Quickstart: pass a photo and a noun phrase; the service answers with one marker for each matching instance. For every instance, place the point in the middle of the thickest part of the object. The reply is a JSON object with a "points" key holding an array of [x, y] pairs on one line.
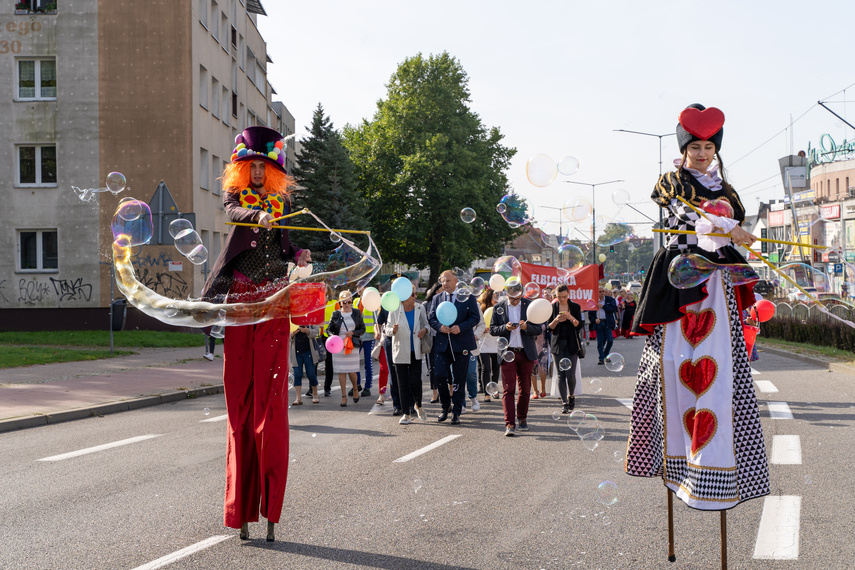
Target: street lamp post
{"points": [[560, 228], [593, 211], [661, 220]]}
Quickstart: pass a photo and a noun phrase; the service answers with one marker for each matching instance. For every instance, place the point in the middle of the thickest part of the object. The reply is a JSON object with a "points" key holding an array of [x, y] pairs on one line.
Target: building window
{"points": [[215, 97], [204, 169], [203, 12], [234, 37], [234, 105], [224, 31], [203, 86], [215, 27], [218, 172], [36, 79], [37, 165], [837, 186], [38, 250], [242, 52], [226, 104]]}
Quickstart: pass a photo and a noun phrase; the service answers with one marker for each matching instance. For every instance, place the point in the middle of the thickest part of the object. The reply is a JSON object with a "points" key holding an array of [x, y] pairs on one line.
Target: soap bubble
{"points": [[718, 207], [565, 364], [477, 285], [568, 166], [576, 418], [116, 182], [591, 441], [513, 287], [508, 356], [588, 425], [199, 255], [507, 266], [207, 411], [131, 209], [596, 385], [690, 270], [607, 493], [540, 170], [179, 225], [614, 234], [217, 331], [618, 455], [572, 255], [577, 209], [186, 241], [620, 197], [531, 290], [417, 485], [463, 292], [502, 343], [499, 311], [615, 362], [514, 209], [467, 215], [492, 389], [335, 238], [556, 415]]}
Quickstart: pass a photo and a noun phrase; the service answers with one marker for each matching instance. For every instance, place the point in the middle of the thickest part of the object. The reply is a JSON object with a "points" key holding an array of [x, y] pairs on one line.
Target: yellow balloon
{"points": [[488, 316]]}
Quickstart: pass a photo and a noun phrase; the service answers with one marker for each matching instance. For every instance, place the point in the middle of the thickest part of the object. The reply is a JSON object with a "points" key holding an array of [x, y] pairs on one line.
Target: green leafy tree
{"points": [[423, 158], [327, 184]]}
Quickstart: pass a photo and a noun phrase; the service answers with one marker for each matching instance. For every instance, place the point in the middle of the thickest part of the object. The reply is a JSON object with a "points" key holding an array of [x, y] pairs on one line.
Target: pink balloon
{"points": [[334, 344]]}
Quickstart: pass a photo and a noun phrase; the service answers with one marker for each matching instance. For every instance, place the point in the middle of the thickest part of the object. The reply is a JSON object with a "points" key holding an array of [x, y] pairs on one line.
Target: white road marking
{"points": [[626, 402], [754, 372], [179, 554], [88, 450], [779, 411], [215, 419], [786, 450], [425, 449], [765, 386], [778, 535]]}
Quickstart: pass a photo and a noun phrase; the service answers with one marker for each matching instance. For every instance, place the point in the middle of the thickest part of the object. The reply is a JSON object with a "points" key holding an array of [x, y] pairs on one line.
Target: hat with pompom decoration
{"points": [[262, 143]]}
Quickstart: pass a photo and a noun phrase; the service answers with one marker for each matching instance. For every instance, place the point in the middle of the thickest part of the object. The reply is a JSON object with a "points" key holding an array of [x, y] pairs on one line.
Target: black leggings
{"points": [[489, 369], [410, 383], [566, 378]]}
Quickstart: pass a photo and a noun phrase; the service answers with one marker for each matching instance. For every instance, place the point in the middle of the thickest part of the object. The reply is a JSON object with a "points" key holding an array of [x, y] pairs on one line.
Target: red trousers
{"points": [[517, 370], [384, 371], [255, 376]]}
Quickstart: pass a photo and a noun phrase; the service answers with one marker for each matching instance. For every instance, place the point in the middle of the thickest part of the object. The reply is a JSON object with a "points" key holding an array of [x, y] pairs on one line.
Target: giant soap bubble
{"points": [[568, 166], [690, 270], [348, 267], [513, 210], [614, 233], [507, 266], [571, 255], [577, 209]]}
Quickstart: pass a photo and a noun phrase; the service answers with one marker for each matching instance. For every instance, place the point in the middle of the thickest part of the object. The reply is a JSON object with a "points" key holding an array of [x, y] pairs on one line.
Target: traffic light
{"points": [[611, 249]]}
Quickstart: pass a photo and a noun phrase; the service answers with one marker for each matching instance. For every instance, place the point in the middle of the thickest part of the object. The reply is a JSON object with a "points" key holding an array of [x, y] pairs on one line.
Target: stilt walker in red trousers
{"points": [[256, 366]]}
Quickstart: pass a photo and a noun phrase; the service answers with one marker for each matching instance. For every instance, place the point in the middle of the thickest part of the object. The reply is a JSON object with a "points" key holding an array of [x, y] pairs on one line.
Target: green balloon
{"points": [[390, 301]]}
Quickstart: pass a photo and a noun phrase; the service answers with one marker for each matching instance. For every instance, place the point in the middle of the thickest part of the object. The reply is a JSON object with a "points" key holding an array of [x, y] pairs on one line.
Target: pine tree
{"points": [[327, 186]]}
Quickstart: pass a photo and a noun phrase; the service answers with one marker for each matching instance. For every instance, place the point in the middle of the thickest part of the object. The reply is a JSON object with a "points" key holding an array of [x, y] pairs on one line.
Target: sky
{"points": [[559, 77]]}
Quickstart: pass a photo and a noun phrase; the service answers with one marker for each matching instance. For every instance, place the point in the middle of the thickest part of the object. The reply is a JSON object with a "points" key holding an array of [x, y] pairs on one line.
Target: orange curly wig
{"points": [[236, 178]]}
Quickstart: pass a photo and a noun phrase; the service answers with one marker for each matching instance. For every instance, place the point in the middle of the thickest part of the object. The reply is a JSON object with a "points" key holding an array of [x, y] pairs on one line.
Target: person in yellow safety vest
{"points": [[367, 347], [331, 307]]}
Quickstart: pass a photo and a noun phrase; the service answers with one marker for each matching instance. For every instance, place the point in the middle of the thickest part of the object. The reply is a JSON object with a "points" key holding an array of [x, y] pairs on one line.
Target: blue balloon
{"points": [[446, 313], [403, 288]]}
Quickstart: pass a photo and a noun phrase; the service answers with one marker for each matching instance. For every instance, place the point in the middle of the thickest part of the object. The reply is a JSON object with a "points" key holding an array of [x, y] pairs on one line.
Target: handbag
{"points": [[427, 343], [375, 352], [320, 349], [582, 345]]}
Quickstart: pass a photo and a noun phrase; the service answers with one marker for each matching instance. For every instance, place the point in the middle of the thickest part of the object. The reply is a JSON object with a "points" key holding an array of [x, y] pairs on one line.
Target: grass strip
{"points": [[826, 353], [12, 356], [125, 339]]}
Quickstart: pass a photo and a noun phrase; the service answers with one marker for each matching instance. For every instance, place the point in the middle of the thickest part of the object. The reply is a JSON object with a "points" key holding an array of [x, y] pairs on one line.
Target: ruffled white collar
{"points": [[710, 179]]}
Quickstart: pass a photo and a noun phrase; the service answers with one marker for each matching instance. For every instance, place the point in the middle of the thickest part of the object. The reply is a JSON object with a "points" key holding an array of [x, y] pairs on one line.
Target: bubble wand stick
{"points": [[768, 240]]}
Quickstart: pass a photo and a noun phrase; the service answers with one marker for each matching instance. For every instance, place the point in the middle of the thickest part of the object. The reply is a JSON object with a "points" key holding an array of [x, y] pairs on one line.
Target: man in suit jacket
{"points": [[509, 321], [604, 321], [453, 346]]}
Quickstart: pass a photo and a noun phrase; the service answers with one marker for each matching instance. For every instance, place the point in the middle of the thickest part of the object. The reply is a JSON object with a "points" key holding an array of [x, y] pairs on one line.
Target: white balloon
{"points": [[539, 311], [497, 282], [371, 299]]}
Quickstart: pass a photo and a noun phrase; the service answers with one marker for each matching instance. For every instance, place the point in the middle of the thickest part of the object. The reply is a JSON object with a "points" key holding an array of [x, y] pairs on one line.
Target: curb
{"points": [[833, 366], [108, 408]]}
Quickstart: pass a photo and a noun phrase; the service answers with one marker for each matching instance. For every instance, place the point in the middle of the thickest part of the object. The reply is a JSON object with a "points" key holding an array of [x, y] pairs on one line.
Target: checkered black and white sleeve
{"points": [[681, 217]]}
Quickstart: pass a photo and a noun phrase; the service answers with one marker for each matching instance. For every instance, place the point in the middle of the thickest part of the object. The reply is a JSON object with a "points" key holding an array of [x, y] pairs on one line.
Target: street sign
{"points": [[838, 268]]}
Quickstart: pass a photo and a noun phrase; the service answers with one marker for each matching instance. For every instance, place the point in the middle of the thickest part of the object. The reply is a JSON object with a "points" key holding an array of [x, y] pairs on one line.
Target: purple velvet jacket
{"points": [[240, 239]]}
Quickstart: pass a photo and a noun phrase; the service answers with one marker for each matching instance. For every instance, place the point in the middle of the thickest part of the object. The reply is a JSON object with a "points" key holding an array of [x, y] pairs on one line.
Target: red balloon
{"points": [[763, 310]]}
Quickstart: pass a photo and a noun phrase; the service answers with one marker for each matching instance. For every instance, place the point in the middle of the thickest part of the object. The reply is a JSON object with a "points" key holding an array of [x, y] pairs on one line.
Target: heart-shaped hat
{"points": [[697, 123], [260, 143]]}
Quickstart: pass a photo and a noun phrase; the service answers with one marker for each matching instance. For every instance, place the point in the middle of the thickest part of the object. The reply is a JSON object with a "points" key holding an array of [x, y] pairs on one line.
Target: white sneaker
{"points": [[421, 413], [463, 410], [475, 405], [405, 419], [208, 356]]}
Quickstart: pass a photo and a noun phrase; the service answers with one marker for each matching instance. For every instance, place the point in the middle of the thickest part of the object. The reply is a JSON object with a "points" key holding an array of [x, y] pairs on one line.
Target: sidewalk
{"points": [[49, 393]]}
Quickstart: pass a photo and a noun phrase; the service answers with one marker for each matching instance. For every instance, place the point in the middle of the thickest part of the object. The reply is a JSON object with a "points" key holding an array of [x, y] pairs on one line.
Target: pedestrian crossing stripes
{"points": [[103, 447]]}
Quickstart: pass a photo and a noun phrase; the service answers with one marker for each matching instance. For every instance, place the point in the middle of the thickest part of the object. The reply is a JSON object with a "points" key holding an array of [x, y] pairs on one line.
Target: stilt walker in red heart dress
{"points": [[695, 421], [256, 365]]}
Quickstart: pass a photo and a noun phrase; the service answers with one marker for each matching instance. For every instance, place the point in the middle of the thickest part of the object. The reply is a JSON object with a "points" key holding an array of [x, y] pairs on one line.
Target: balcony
{"points": [[35, 7]]}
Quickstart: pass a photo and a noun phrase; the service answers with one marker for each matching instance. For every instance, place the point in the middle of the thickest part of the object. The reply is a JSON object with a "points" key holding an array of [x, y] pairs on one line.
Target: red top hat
{"points": [[260, 143]]}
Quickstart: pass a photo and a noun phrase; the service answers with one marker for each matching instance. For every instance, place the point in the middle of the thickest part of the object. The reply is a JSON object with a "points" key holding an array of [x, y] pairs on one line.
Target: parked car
{"points": [[764, 287], [634, 287], [796, 296], [615, 284]]}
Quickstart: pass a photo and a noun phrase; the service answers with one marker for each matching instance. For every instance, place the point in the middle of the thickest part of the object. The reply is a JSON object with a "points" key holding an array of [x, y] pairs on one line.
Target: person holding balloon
{"points": [[345, 337], [407, 326], [489, 343], [566, 324], [454, 320], [695, 420]]}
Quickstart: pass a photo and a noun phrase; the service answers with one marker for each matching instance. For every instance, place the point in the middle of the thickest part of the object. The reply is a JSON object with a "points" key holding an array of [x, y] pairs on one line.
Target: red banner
{"points": [[582, 283]]}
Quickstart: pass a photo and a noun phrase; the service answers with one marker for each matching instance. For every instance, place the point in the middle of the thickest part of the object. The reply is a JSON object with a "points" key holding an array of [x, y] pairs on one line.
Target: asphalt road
{"points": [[479, 500]]}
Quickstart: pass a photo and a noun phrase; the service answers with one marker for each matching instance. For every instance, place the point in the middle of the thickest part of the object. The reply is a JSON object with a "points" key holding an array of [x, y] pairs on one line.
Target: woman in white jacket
{"points": [[407, 325]]}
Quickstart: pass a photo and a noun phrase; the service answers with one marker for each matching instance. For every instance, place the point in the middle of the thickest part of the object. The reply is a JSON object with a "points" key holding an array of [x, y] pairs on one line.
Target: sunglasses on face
{"points": [[347, 302]]}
